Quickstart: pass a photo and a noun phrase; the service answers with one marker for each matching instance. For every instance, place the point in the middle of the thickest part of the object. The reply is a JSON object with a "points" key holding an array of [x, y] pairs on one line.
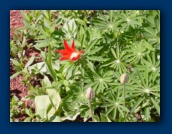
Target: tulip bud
{"points": [[89, 93], [124, 78]]}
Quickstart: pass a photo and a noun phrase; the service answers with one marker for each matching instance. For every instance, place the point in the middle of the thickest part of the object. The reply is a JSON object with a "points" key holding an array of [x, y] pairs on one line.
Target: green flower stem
{"points": [[91, 111], [124, 93]]}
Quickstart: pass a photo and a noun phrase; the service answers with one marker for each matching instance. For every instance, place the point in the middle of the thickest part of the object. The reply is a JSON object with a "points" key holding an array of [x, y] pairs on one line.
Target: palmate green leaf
{"points": [[76, 71], [94, 33], [121, 112], [109, 21], [112, 110], [155, 94], [106, 104], [70, 106], [114, 113], [150, 20], [100, 24], [141, 78], [129, 20], [104, 118], [135, 52], [100, 88], [117, 62], [113, 105], [107, 63], [153, 66], [147, 113], [135, 106], [99, 80], [114, 54], [97, 58], [111, 15], [147, 85], [69, 71], [157, 23], [96, 118], [91, 66], [82, 40], [148, 46], [124, 108], [96, 49], [150, 30], [155, 105], [91, 44]]}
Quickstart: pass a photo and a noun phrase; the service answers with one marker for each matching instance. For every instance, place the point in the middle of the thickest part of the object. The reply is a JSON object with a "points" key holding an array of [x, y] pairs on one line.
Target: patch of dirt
{"points": [[17, 88], [37, 81], [15, 21], [29, 52], [21, 117]]}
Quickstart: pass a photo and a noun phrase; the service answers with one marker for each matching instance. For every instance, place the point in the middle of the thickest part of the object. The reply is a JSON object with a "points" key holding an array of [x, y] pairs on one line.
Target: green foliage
{"points": [[114, 42], [18, 108]]}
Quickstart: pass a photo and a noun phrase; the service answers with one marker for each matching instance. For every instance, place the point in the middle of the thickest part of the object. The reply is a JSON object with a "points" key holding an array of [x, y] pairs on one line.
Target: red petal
{"points": [[64, 58], [63, 52], [68, 49], [73, 46]]}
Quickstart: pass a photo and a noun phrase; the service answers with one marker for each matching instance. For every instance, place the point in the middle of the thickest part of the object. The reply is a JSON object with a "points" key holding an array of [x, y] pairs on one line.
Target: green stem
{"points": [[124, 93], [91, 111]]}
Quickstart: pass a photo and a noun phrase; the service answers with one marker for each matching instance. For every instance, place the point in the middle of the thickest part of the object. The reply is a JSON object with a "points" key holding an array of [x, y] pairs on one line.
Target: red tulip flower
{"points": [[70, 53]]}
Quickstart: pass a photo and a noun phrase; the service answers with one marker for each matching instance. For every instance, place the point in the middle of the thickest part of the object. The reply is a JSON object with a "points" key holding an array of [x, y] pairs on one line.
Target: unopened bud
{"points": [[89, 93], [158, 57], [124, 78]]}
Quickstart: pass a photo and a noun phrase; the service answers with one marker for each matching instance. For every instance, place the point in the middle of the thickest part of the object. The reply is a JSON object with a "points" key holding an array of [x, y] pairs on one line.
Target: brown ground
{"points": [[15, 21]]}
